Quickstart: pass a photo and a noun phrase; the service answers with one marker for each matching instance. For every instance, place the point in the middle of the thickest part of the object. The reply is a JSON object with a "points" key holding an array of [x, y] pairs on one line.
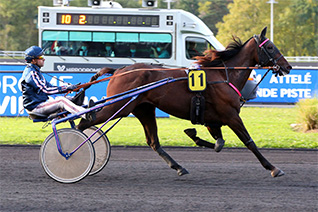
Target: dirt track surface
{"points": [[137, 179]]}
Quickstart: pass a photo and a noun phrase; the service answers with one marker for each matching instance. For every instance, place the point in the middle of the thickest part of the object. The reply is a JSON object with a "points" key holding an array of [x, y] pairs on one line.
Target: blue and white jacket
{"points": [[35, 89]]}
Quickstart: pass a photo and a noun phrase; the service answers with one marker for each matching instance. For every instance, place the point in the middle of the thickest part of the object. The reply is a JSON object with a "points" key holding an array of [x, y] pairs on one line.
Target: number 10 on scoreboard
{"points": [[197, 80]]}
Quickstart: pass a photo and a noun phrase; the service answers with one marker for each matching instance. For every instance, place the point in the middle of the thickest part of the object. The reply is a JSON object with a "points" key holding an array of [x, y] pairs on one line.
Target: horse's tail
{"points": [[101, 72]]}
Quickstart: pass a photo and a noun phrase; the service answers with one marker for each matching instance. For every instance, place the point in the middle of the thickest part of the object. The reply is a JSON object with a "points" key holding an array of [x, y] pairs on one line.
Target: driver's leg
{"points": [[53, 105]]}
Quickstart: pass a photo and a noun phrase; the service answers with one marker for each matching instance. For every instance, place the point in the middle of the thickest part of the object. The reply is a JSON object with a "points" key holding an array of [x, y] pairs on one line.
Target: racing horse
{"points": [[222, 102]]}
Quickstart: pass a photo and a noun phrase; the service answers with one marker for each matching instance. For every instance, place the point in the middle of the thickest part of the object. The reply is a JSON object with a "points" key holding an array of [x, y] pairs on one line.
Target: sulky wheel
{"points": [[77, 166], [102, 149]]}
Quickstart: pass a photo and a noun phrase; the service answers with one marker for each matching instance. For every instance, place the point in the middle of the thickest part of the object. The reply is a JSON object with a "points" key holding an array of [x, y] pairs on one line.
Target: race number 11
{"points": [[197, 80]]}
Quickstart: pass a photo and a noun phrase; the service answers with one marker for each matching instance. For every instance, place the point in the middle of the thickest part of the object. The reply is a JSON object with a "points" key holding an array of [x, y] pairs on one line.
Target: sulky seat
{"points": [[34, 115]]}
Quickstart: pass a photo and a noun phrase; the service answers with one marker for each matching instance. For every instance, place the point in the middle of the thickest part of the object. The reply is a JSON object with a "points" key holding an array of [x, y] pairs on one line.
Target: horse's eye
{"points": [[270, 49]]}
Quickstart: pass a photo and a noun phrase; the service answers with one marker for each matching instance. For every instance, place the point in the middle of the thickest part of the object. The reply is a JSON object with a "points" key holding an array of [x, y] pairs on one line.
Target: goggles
{"points": [[40, 57]]}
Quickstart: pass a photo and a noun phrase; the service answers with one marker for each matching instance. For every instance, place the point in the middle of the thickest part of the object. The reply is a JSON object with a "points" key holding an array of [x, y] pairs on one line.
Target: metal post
{"points": [[272, 2], [169, 3]]}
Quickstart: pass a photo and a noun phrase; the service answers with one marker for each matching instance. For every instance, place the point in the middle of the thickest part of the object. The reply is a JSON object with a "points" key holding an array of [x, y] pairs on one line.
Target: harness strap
{"points": [[237, 91], [263, 43], [228, 81]]}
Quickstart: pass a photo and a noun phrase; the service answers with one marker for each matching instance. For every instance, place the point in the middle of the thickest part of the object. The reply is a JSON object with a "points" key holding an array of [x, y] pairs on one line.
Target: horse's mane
{"points": [[216, 58]]}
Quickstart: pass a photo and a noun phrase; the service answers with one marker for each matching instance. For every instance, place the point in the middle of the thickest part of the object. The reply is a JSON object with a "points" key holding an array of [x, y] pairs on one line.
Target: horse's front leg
{"points": [[239, 129], [172, 163], [216, 133], [146, 115]]}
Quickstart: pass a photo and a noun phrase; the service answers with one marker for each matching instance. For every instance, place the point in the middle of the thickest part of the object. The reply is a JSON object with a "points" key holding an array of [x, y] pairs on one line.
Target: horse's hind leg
{"points": [[146, 115], [216, 133], [239, 129]]}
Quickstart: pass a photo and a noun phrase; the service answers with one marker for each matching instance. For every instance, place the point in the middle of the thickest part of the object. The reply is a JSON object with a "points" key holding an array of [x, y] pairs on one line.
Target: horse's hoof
{"points": [[277, 172], [219, 145], [182, 171]]}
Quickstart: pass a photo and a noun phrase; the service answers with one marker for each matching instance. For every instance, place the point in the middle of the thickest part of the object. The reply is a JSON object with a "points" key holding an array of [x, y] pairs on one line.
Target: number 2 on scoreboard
{"points": [[82, 19]]}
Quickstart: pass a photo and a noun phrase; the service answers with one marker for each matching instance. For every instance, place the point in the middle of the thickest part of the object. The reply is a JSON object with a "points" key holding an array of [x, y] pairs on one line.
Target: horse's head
{"points": [[268, 54]]}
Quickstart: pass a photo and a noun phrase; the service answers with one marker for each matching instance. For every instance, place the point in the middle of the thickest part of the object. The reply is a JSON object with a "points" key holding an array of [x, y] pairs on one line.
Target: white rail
{"points": [[302, 59], [11, 53]]}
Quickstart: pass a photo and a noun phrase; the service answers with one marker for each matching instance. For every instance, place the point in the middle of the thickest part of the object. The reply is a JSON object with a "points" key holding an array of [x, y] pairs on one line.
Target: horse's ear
{"points": [[263, 33]]}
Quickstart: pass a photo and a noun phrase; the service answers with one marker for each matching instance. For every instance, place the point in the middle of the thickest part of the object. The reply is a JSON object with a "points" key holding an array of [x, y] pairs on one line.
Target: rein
{"points": [[108, 78], [182, 69], [164, 69]]}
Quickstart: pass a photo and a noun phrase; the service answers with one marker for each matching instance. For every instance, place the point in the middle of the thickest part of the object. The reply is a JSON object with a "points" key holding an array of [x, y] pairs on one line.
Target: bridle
{"points": [[265, 56]]}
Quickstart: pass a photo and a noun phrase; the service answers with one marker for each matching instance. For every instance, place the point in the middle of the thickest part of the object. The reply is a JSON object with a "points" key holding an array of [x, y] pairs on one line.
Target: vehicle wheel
{"points": [[77, 166], [102, 149]]}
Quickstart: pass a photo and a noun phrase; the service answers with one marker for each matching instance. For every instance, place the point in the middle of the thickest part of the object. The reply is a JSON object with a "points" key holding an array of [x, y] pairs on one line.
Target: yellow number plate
{"points": [[197, 80]]}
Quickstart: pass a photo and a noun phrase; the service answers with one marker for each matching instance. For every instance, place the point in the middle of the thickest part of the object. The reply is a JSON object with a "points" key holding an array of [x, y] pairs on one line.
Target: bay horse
{"points": [[222, 102]]}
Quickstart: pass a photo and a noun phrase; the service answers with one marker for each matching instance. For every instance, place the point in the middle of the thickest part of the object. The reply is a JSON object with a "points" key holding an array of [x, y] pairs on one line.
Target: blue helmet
{"points": [[32, 53]]}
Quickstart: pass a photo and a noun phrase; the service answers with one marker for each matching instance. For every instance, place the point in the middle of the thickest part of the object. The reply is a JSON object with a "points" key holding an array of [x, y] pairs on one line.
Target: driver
{"points": [[36, 90]]}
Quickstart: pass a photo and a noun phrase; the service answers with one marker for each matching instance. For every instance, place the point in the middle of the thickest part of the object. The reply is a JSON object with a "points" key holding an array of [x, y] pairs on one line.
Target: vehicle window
{"points": [[155, 37], [103, 37], [107, 44], [53, 35], [196, 47], [80, 36]]}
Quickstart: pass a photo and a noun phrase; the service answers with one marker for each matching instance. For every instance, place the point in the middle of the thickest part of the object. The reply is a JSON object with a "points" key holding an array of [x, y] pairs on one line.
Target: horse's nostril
{"points": [[288, 69]]}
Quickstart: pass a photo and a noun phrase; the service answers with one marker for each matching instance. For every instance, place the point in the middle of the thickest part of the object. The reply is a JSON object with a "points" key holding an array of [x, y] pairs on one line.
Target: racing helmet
{"points": [[32, 53]]}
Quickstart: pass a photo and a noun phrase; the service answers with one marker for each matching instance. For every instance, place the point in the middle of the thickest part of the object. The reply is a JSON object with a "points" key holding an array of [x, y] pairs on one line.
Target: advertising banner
{"points": [[11, 103], [299, 84]]}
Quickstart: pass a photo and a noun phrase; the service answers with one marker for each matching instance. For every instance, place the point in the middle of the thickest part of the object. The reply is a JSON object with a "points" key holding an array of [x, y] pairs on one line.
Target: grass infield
{"points": [[269, 128]]}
